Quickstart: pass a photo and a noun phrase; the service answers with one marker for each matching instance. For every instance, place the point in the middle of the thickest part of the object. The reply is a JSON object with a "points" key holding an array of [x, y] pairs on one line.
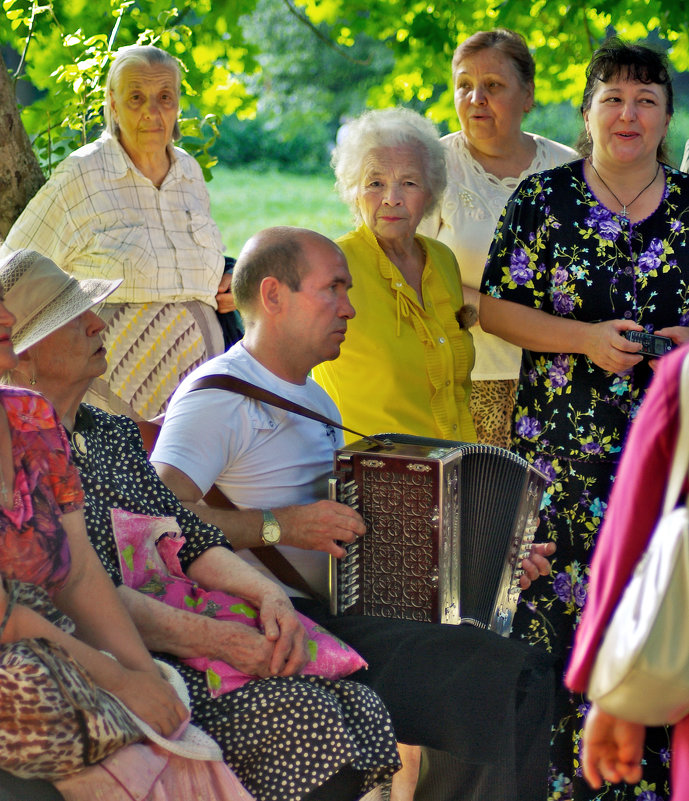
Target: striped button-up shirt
{"points": [[99, 216]]}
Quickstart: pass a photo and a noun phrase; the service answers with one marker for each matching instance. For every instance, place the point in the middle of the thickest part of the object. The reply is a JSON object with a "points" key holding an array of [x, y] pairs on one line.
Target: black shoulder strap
{"points": [[233, 384]]}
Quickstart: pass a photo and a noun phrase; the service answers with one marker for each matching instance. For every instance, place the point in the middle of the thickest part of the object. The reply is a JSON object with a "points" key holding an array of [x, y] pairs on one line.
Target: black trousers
{"points": [[15, 789], [480, 705]]}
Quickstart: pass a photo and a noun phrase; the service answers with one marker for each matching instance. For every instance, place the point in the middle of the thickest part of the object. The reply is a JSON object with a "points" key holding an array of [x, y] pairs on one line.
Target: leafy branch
{"points": [[325, 39]]}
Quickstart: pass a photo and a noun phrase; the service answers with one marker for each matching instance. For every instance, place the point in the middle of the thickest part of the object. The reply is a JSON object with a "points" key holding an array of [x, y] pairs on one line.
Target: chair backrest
{"points": [[149, 430]]}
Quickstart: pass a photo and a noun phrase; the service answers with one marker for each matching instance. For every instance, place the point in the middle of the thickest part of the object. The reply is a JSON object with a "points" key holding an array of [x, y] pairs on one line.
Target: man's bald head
{"points": [[278, 252]]}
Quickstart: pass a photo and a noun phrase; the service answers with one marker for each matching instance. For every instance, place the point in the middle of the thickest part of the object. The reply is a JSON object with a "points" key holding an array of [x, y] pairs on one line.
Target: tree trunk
{"points": [[20, 173]]}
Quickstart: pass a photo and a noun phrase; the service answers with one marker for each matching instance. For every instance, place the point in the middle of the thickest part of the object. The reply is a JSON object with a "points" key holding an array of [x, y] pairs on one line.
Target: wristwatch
{"points": [[270, 533]]}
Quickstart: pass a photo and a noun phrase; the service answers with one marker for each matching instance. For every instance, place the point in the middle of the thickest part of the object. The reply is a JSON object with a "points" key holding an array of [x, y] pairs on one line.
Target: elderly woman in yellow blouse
{"points": [[404, 366]]}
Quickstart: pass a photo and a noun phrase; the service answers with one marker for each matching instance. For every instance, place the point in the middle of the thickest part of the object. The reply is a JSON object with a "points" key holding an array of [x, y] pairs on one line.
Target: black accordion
{"points": [[448, 524]]}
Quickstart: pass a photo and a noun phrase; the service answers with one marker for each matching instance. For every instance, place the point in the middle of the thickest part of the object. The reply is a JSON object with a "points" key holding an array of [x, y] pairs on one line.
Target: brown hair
{"points": [[509, 43], [616, 58]]}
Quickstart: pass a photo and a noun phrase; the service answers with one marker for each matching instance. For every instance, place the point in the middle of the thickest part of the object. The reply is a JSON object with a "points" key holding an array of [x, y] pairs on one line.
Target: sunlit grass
{"points": [[244, 201]]}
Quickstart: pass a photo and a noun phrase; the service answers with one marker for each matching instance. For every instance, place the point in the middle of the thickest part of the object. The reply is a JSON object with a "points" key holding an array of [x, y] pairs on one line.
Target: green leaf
{"points": [[244, 609], [213, 679], [254, 61], [312, 647], [128, 556]]}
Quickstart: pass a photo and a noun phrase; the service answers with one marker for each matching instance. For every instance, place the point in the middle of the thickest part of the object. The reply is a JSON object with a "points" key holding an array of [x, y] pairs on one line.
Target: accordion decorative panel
{"points": [[447, 527]]}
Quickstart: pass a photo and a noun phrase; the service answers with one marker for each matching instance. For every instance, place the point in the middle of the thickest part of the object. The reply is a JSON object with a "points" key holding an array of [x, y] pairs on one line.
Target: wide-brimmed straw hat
{"points": [[43, 297]]}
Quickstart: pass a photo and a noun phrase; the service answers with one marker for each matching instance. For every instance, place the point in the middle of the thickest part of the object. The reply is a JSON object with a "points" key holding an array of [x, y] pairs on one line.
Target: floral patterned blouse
{"points": [[33, 544], [558, 249]]}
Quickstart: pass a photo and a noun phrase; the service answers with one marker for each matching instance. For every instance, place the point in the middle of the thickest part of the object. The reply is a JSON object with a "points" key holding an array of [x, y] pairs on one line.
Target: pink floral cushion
{"points": [[148, 547]]}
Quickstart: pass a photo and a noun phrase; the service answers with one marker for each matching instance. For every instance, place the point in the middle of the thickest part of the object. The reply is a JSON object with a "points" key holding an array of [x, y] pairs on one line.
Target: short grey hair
{"points": [[390, 127], [138, 55]]}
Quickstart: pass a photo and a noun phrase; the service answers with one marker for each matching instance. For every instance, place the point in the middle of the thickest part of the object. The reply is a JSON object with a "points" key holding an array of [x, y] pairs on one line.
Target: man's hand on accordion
{"points": [[320, 526], [537, 563]]}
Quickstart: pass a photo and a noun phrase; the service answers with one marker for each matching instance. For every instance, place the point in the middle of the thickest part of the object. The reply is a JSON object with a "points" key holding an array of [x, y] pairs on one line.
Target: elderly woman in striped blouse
{"points": [[132, 206]]}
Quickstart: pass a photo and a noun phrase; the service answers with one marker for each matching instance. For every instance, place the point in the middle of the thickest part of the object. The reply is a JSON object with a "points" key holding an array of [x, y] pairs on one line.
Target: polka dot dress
{"points": [[283, 737], [286, 736]]}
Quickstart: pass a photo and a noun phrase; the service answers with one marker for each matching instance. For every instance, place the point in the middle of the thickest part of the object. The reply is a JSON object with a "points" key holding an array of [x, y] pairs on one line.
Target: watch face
{"points": [[271, 533]]}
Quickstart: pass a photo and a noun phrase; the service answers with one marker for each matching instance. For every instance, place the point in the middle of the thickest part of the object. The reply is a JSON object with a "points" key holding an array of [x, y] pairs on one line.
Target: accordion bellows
{"points": [[448, 525]]}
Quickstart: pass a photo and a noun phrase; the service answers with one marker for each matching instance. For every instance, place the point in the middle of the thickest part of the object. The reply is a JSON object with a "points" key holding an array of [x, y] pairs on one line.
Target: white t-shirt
{"points": [[465, 221], [258, 455]]}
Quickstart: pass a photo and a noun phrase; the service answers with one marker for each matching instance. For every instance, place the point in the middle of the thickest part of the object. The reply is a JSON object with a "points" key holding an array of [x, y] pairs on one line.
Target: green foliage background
{"points": [[277, 78]]}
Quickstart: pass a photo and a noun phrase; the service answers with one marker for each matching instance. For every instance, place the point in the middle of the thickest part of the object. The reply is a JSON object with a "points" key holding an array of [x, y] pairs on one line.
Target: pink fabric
{"points": [[147, 773], [33, 544], [633, 511], [148, 548]]}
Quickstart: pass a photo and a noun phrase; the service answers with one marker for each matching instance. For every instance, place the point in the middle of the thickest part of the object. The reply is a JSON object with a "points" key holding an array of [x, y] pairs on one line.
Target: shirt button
{"points": [[627, 315], [628, 270], [454, 427], [447, 383], [442, 340], [398, 284]]}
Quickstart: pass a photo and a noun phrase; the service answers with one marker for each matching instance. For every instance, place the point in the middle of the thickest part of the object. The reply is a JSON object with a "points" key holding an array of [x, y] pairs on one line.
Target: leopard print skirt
{"points": [[54, 720], [491, 404]]}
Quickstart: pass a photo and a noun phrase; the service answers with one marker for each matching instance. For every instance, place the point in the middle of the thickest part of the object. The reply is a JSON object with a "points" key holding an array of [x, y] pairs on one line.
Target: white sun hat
{"points": [[43, 297]]}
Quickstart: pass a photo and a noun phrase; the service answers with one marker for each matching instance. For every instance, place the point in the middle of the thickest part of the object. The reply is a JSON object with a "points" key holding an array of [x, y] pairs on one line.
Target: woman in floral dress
{"points": [[583, 253]]}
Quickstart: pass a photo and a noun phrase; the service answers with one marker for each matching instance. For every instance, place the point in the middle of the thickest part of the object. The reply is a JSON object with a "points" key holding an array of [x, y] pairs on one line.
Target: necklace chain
{"points": [[625, 206]]}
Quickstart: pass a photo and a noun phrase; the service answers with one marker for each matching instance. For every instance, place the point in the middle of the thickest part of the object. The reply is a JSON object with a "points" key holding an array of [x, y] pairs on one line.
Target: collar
{"points": [[117, 162], [83, 423], [406, 302], [84, 419]]}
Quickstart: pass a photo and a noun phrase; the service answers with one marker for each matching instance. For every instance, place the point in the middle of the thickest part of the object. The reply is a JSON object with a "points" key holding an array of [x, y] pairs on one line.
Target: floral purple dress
{"points": [[33, 544], [558, 249]]}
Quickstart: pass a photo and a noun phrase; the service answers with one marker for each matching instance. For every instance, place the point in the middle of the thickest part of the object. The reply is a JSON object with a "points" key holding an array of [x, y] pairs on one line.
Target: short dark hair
{"points": [[637, 63], [275, 252], [509, 43]]}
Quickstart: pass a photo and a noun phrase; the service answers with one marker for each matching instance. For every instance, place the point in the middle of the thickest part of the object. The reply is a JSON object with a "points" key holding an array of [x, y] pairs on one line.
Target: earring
{"points": [[31, 378]]}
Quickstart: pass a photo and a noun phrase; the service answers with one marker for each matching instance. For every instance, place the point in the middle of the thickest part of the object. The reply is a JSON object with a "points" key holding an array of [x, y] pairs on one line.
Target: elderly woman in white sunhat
{"points": [[55, 588], [329, 755]]}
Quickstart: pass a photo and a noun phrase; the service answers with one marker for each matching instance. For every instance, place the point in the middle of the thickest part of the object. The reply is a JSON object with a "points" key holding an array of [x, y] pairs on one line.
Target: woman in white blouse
{"points": [[132, 206], [493, 77]]}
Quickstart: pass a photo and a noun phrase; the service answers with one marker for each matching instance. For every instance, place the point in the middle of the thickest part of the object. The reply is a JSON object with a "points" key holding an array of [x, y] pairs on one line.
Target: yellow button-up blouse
{"points": [[404, 367]]}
